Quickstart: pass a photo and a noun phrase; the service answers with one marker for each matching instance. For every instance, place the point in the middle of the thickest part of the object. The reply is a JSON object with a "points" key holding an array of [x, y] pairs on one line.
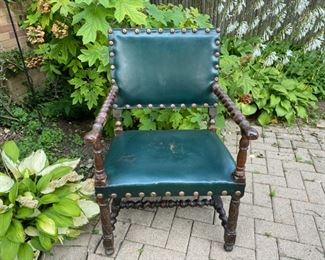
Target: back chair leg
{"points": [[218, 206], [230, 228], [105, 217]]}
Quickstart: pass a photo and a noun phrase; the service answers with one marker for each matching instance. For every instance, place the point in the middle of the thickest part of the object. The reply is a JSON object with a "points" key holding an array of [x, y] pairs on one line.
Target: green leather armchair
{"points": [[174, 68]]}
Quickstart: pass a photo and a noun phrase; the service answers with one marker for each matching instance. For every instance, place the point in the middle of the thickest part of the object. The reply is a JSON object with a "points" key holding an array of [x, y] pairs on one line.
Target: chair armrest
{"points": [[94, 134], [248, 131]]}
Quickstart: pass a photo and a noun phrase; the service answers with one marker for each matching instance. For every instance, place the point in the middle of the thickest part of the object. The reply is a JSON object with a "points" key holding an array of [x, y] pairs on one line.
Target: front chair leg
{"points": [[230, 228], [105, 217]]}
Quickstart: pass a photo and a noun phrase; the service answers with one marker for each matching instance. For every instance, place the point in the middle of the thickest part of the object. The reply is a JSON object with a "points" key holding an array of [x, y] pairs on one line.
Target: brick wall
{"points": [[7, 37]]}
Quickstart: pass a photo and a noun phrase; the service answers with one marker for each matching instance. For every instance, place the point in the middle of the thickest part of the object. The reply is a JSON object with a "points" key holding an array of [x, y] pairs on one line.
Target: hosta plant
{"points": [[40, 204]]}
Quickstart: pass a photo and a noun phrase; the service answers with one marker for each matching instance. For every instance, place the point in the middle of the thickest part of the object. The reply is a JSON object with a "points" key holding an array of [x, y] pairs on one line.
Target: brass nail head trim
{"points": [[207, 30], [110, 31], [194, 30], [112, 67], [148, 31], [128, 195], [238, 193], [124, 31], [172, 106], [168, 193], [217, 42], [113, 195], [160, 30], [195, 194], [141, 194], [111, 54], [181, 193], [127, 106], [150, 106], [139, 106], [153, 194], [183, 30], [216, 79], [193, 105], [224, 192], [206, 105], [217, 54], [172, 30], [183, 105], [113, 81], [99, 195], [218, 30], [115, 105], [111, 43], [136, 30], [161, 105], [209, 193]]}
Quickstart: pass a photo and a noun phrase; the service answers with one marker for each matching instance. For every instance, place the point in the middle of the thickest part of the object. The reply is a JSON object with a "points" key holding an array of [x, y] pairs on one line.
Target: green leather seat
{"points": [[173, 161]]}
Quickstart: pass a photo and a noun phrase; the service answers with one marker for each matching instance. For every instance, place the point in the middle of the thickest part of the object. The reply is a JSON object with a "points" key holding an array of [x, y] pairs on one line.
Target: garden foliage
{"points": [[40, 204], [269, 82]]}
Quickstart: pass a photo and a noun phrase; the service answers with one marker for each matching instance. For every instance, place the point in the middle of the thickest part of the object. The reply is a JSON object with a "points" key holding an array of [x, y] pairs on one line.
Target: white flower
{"points": [[242, 29], [271, 59]]}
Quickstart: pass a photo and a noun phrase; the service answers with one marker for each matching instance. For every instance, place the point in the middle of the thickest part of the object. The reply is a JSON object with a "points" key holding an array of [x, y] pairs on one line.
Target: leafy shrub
{"points": [[262, 89], [40, 204]]}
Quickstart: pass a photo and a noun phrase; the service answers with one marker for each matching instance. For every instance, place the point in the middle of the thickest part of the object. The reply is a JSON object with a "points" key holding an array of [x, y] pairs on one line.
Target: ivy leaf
{"points": [[93, 53], [131, 9], [94, 17], [156, 13], [65, 6]]}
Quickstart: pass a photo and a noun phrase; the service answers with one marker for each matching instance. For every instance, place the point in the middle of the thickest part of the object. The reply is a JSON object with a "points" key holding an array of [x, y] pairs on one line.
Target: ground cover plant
{"points": [[40, 203]]}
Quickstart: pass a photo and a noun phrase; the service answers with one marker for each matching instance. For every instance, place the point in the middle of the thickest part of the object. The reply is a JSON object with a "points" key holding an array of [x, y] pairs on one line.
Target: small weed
{"points": [[268, 234], [95, 232], [272, 194], [299, 158], [140, 251]]}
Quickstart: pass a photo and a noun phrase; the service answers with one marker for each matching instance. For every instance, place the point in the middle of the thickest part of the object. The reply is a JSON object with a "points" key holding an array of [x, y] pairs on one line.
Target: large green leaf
{"points": [[89, 208], [248, 109], [60, 220], [46, 225], [25, 252], [131, 9], [16, 232], [280, 111], [6, 183], [156, 13], [66, 162], [13, 193], [301, 112], [43, 182], [36, 244], [94, 17], [35, 162], [67, 208], [274, 100], [5, 220], [46, 242], [24, 213], [11, 150], [264, 118], [93, 53], [8, 249], [49, 198]]}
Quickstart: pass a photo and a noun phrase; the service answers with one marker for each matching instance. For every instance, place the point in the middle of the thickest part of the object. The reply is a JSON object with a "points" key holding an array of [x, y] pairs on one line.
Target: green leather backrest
{"points": [[164, 67]]}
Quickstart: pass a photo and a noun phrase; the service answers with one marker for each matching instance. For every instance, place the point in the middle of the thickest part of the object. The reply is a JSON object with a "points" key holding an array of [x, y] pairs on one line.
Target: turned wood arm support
{"points": [[235, 114], [96, 131], [248, 133]]}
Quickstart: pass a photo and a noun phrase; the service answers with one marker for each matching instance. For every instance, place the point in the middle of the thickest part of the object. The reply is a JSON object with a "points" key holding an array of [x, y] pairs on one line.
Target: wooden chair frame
{"points": [[109, 207]]}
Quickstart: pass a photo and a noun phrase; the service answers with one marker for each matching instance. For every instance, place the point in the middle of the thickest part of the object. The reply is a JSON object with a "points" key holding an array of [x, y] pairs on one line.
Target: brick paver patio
{"points": [[282, 215]]}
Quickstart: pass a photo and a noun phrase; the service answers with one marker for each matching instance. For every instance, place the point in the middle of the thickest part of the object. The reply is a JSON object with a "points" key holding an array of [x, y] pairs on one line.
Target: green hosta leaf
{"points": [[13, 193], [36, 244], [264, 118], [301, 112], [67, 208], [44, 181], [35, 162], [280, 89], [89, 208], [72, 163], [80, 221], [46, 225], [5, 220], [94, 17], [156, 13], [16, 232], [31, 231], [6, 183], [286, 105], [280, 111], [60, 220], [25, 252], [45, 242], [290, 117], [24, 213], [27, 185], [131, 9], [49, 198], [274, 100], [8, 249], [72, 233], [248, 109], [8, 163], [65, 6], [11, 150], [93, 53], [60, 172]]}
